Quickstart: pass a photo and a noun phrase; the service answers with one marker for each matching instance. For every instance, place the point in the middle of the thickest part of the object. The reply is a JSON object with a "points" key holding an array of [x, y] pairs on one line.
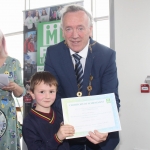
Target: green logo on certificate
{"points": [[108, 100]]}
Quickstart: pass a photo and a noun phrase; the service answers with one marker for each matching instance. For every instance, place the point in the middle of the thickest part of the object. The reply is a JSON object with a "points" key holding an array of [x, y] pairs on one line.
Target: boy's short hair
{"points": [[43, 76]]}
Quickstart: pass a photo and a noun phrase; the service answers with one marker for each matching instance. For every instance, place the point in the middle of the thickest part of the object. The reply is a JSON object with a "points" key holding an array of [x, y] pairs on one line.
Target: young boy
{"points": [[42, 129]]}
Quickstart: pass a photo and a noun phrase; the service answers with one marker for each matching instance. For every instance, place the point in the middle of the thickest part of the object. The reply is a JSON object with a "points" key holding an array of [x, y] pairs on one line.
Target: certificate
{"points": [[89, 113], [4, 81]]}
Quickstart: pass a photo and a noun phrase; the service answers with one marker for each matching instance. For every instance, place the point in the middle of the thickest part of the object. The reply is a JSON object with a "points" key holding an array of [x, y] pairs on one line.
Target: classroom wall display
{"points": [[41, 29]]}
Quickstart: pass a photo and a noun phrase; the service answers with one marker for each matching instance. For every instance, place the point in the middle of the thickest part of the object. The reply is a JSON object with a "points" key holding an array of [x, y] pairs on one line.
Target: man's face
{"points": [[76, 30]]}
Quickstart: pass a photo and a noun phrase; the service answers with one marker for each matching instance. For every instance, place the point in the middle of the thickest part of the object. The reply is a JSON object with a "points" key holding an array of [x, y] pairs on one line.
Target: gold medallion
{"points": [[89, 88], [79, 94]]}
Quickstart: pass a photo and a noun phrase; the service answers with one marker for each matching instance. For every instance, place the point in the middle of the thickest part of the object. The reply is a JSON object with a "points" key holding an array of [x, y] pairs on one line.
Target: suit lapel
{"points": [[87, 72], [88, 67]]}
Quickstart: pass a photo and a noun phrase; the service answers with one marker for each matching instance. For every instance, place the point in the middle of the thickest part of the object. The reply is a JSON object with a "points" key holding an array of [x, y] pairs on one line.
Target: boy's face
{"points": [[44, 95]]}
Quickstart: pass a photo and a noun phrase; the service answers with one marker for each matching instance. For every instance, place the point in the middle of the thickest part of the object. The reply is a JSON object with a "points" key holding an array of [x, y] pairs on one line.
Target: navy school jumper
{"points": [[39, 131]]}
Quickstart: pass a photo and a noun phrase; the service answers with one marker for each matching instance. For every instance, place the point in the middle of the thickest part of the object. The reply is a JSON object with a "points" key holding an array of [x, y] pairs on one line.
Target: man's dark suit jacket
{"points": [[100, 63]]}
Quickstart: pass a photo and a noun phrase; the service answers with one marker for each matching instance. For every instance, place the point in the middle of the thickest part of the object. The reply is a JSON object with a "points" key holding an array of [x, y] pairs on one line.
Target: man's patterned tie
{"points": [[78, 71]]}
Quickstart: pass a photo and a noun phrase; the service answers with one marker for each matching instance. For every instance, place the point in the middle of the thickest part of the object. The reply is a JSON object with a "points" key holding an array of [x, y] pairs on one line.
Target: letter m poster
{"points": [[48, 33]]}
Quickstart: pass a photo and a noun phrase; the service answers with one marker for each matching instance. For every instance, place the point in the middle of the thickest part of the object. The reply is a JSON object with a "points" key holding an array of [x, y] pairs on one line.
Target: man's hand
{"points": [[96, 137]]}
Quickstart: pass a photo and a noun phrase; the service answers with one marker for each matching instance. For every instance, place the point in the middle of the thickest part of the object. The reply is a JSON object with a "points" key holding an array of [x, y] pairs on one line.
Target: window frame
{"points": [[109, 17]]}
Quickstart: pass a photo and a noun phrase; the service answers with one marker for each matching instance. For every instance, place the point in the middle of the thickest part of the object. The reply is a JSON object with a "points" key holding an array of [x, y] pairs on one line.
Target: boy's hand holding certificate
{"points": [[89, 113]]}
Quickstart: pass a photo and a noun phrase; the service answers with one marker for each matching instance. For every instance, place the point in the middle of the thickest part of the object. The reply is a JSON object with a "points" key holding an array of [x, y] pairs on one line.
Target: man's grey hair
{"points": [[75, 8]]}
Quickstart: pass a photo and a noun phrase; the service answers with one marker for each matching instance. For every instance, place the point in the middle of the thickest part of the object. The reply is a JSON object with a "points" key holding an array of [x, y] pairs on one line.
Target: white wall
{"points": [[132, 44]]}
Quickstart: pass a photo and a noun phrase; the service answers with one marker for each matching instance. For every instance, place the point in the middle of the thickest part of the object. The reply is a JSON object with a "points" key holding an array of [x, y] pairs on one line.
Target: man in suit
{"points": [[98, 69]]}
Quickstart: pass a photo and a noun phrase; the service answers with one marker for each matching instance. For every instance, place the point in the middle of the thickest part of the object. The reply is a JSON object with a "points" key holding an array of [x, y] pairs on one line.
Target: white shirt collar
{"points": [[82, 53]]}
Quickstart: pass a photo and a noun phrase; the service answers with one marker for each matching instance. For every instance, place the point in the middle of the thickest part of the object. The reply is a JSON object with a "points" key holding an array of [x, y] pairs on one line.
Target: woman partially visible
{"points": [[36, 19], [44, 17], [9, 127]]}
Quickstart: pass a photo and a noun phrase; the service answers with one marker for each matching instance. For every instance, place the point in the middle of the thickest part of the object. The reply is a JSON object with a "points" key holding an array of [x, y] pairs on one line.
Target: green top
{"points": [[9, 135]]}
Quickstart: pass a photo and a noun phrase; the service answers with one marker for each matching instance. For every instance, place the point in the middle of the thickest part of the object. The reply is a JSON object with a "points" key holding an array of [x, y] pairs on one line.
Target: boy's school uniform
{"points": [[39, 131]]}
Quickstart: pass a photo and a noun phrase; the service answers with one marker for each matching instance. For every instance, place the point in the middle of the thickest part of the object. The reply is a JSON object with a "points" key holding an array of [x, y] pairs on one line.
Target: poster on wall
{"points": [[41, 29], [49, 33]]}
